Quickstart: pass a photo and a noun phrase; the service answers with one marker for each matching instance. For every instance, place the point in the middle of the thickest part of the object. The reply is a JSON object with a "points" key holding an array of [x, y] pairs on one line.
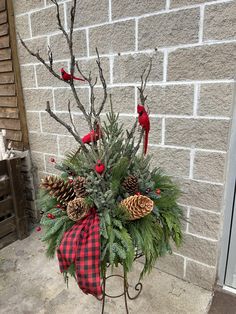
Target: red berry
{"points": [[71, 181], [52, 160], [50, 216], [138, 193], [158, 191], [58, 206], [38, 229]]}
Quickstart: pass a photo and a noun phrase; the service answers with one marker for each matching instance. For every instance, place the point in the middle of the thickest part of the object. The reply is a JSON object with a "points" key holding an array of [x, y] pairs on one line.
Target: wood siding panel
{"points": [[4, 42], [3, 29], [10, 113], [2, 5], [6, 66], [3, 17], [7, 78], [14, 135], [5, 54], [7, 90], [10, 124], [8, 101]]}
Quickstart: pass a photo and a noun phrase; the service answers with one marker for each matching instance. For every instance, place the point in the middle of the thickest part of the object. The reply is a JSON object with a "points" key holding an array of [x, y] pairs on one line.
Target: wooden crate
{"points": [[13, 220]]}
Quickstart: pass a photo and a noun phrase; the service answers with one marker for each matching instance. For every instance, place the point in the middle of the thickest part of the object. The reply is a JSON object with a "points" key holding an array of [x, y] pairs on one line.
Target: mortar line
{"points": [[195, 100], [185, 267], [35, 77], [165, 65], [136, 34], [201, 23], [167, 5], [87, 41], [192, 156], [30, 27], [163, 129], [65, 16], [110, 11]]}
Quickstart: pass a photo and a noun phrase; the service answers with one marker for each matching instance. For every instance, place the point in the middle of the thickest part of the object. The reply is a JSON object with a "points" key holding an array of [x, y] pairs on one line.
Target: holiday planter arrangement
{"points": [[108, 207]]}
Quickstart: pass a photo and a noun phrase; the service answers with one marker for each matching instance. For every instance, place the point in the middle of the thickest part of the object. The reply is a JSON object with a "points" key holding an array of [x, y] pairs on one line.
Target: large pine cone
{"points": [[62, 190], [77, 209], [130, 184], [79, 187], [138, 206]]}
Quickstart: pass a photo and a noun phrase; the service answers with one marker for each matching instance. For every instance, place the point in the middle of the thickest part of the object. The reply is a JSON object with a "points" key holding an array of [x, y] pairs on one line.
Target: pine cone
{"points": [[77, 209], [130, 184], [79, 187], [138, 206], [62, 190]]}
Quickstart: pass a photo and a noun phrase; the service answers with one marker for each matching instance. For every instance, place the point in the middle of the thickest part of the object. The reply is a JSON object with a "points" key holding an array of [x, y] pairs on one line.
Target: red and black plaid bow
{"points": [[81, 245]]}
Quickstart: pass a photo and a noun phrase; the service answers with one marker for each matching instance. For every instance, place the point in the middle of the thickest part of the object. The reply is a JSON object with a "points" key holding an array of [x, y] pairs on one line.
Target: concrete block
{"points": [[220, 21], [36, 45], [49, 125], [45, 21], [35, 99], [173, 161], [200, 275], [209, 166], [33, 121], [183, 3], [46, 143], [67, 144], [27, 76], [202, 63], [22, 26], [198, 133], [63, 95], [199, 249], [128, 68], [24, 6], [216, 100], [123, 8], [38, 161], [171, 100], [171, 264], [202, 195], [204, 223], [45, 78], [118, 37], [60, 48], [169, 29], [90, 13]]}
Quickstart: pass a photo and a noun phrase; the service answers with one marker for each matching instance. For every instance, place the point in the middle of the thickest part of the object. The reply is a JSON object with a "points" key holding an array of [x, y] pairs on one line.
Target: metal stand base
{"points": [[138, 287]]}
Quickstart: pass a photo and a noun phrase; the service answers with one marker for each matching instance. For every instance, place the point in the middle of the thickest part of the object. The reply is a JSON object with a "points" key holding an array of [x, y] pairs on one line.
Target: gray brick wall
{"points": [[193, 44]]}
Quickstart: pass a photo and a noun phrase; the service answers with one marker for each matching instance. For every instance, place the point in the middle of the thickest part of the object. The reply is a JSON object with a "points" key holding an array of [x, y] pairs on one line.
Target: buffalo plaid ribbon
{"points": [[81, 245]]}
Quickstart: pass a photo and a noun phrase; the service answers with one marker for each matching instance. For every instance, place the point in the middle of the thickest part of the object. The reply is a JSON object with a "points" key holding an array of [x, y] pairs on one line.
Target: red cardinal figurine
{"points": [[67, 77], [144, 121], [92, 136]]}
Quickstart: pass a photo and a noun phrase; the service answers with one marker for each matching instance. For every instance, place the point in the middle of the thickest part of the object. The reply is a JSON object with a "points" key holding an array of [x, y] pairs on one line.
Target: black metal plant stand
{"points": [[138, 288]]}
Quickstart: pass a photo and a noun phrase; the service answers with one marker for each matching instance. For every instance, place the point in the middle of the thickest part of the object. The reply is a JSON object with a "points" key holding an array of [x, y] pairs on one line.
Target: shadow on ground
{"points": [[32, 284]]}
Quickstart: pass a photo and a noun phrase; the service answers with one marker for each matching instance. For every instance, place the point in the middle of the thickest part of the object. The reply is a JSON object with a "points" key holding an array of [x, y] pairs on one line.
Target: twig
{"points": [[37, 55], [71, 118], [67, 126], [144, 83], [104, 85]]}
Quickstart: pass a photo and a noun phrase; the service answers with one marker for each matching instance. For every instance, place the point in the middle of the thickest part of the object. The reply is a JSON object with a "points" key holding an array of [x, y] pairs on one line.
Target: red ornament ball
{"points": [[51, 216], [99, 167], [53, 160], [58, 206], [38, 229], [158, 191]]}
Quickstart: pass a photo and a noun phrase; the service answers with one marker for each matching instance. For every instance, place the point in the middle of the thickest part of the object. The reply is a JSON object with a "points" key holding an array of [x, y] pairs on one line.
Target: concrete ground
{"points": [[32, 284]]}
